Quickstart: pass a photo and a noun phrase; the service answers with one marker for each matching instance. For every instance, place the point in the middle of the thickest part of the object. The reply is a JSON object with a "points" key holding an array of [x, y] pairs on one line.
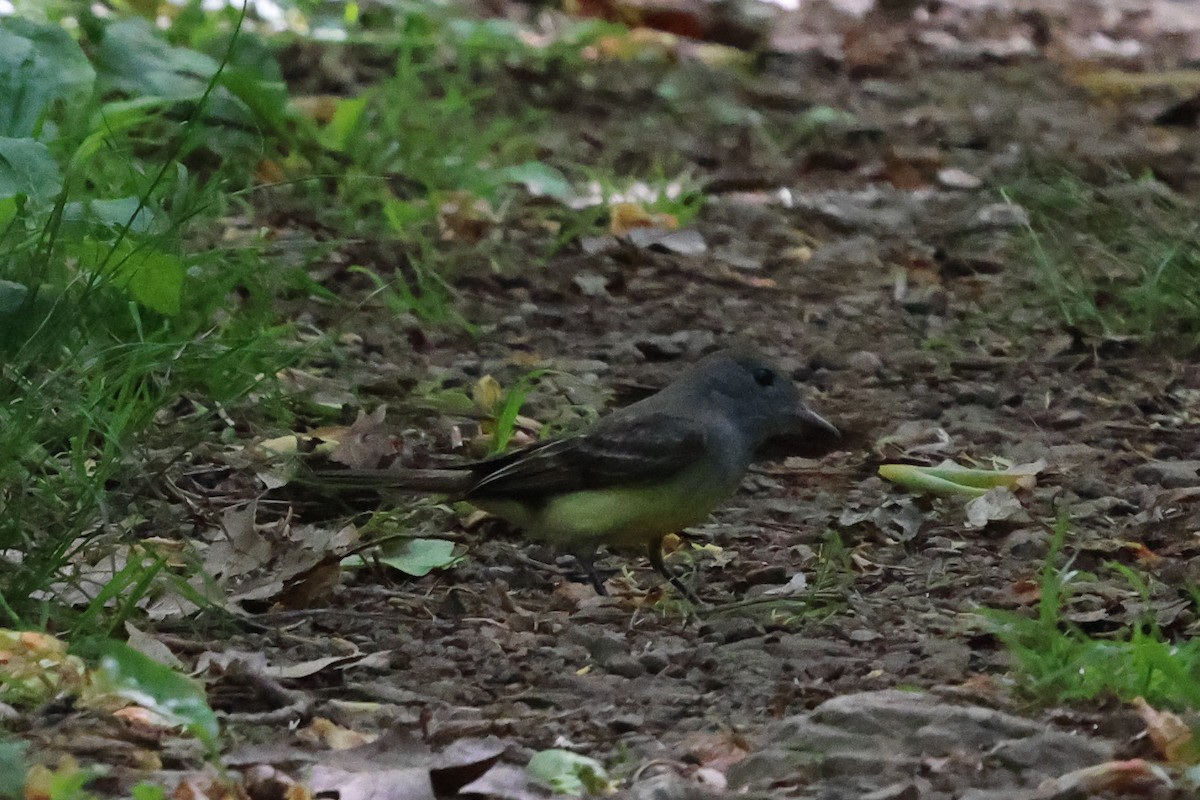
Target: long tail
{"points": [[435, 481]]}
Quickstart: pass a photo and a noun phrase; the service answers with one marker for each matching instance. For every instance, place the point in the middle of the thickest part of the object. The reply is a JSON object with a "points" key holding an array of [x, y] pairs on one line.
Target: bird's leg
{"points": [[587, 562], [654, 552], [584, 560]]}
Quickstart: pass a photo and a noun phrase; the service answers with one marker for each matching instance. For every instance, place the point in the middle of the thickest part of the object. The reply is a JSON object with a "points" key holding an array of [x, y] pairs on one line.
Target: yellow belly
{"points": [[622, 518]]}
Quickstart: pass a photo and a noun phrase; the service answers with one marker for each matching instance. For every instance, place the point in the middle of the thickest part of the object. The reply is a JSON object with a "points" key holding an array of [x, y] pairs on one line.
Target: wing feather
{"points": [[622, 452]]}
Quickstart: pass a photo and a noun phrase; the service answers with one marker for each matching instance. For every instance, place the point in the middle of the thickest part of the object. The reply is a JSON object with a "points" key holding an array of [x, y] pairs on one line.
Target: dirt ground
{"points": [[880, 264]]}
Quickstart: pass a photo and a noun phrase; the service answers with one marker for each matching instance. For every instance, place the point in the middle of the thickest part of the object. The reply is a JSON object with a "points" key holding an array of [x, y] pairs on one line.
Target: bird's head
{"points": [[758, 397]]}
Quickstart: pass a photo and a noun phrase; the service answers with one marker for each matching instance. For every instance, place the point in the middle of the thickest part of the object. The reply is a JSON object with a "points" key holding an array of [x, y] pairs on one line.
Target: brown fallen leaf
{"points": [[312, 587], [464, 217], [718, 751], [333, 736], [1111, 776], [626, 217], [1172, 737], [367, 442]]}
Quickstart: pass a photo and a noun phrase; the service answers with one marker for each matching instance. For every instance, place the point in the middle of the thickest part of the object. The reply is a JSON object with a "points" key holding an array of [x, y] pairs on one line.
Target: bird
{"points": [[647, 470]]}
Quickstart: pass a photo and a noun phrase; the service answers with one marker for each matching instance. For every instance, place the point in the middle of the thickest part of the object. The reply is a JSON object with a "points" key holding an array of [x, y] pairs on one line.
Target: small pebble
{"points": [[654, 661], [1070, 419], [865, 362], [625, 666]]}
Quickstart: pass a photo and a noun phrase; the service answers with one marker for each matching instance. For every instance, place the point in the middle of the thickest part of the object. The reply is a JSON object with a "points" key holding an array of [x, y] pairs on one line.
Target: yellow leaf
{"points": [[487, 394]]}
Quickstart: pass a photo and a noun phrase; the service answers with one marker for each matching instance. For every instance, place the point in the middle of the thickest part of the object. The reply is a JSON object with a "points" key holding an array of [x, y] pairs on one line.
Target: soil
{"points": [[880, 265]]}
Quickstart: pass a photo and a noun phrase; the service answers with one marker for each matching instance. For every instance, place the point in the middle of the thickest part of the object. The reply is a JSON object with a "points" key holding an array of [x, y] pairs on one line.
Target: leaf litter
{"points": [[904, 319]]}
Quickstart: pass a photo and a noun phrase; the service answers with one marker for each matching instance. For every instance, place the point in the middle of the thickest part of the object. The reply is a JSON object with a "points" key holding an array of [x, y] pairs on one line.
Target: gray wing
{"points": [[623, 452]]}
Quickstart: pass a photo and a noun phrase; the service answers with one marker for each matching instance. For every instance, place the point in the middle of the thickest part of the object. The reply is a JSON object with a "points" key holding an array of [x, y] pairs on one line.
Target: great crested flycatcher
{"points": [[649, 469]]}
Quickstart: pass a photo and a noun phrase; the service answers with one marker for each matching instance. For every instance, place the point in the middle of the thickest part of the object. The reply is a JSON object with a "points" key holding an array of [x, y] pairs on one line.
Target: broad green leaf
{"points": [[346, 119], [540, 180], [506, 416], [152, 277], [8, 211], [12, 769], [402, 215], [118, 212], [114, 119], [148, 791], [569, 773], [12, 297], [918, 479], [268, 101], [155, 279], [826, 115], [950, 478], [180, 700], [81, 218], [980, 478], [416, 557], [447, 401], [27, 168], [147, 8], [134, 59], [22, 312], [39, 65]]}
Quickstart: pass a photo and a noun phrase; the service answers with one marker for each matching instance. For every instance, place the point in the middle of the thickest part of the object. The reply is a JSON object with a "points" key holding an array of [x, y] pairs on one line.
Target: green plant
{"points": [[1055, 661], [1119, 259], [822, 592], [108, 313], [570, 773], [12, 768], [424, 130], [509, 407], [421, 291]]}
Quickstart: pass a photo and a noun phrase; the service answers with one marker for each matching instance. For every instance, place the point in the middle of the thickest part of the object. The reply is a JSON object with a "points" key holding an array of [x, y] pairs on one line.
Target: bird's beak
{"points": [[805, 420]]}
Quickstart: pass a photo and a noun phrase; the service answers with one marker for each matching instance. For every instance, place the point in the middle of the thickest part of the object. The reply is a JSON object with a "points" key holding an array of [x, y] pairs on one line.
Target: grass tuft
{"points": [[1119, 259], [1055, 661]]}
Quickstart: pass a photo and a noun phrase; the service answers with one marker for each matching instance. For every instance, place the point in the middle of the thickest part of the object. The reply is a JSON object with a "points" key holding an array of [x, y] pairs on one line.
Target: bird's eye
{"points": [[764, 376]]}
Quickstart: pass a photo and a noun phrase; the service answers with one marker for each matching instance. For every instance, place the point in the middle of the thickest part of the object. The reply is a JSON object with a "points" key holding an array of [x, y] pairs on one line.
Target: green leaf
{"points": [[569, 773], [132, 58], [918, 479], [152, 277], [416, 557], [155, 279], [540, 180], [116, 118], [340, 131], [114, 214], [148, 791], [27, 168], [8, 211], [404, 215], [178, 699], [22, 312], [269, 101], [39, 64], [506, 416], [979, 478], [446, 401], [12, 769], [950, 478], [12, 297]]}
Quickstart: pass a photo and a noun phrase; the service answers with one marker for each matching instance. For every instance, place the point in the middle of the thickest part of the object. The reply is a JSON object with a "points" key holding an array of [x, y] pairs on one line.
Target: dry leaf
{"points": [[1172, 737], [366, 443], [487, 394], [1111, 776], [625, 217], [333, 736], [466, 218]]}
